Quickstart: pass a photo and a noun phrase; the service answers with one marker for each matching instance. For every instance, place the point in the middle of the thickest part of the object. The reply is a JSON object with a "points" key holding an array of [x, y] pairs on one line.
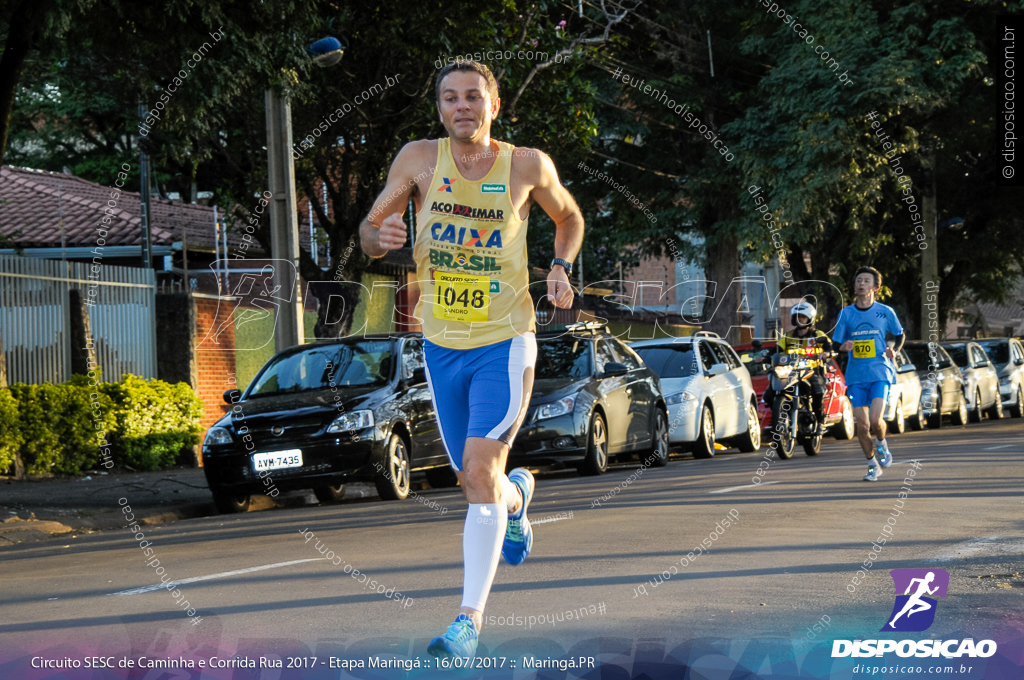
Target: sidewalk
{"points": [[35, 509]]}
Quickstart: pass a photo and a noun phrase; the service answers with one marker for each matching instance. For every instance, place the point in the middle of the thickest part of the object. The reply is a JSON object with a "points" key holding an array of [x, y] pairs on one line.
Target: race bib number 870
{"points": [[863, 349], [461, 297]]}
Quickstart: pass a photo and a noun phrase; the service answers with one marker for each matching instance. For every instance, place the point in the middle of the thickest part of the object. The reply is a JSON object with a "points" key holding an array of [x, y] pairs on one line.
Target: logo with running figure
{"points": [[914, 610]]}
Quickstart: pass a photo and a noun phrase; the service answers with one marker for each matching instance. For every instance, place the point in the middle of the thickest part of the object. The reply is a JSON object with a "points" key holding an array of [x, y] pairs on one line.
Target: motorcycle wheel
{"points": [[782, 435], [812, 445]]}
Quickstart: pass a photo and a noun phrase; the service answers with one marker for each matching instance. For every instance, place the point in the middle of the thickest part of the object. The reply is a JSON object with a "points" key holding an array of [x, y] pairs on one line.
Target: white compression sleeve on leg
{"points": [[481, 548]]}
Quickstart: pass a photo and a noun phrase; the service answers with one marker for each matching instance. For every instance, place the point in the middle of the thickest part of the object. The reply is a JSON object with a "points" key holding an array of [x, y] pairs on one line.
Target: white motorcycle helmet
{"points": [[803, 308]]}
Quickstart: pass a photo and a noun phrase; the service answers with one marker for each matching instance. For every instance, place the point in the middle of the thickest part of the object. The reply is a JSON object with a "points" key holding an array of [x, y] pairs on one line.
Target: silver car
{"points": [[1008, 356], [707, 390], [980, 379], [905, 405]]}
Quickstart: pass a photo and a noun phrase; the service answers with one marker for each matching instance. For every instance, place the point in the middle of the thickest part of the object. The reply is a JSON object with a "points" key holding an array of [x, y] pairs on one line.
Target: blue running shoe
{"points": [[883, 456], [874, 472], [518, 534], [459, 640]]}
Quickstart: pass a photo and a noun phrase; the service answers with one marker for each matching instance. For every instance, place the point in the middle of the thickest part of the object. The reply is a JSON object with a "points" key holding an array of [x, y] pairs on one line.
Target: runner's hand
{"points": [[846, 346], [559, 289], [392, 233]]}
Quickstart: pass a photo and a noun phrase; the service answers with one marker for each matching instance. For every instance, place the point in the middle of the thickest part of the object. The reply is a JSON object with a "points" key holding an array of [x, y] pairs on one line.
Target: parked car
{"points": [[317, 416], [1008, 356], [980, 379], [593, 399], [838, 409], [904, 404], [708, 391], [942, 384]]}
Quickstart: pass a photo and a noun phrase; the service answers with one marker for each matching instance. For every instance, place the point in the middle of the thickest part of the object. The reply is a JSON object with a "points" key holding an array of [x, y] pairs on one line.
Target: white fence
{"points": [[35, 318]]}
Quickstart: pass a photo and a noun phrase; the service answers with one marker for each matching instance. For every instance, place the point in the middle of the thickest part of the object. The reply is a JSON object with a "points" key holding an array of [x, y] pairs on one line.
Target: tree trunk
{"points": [[721, 308], [25, 23]]}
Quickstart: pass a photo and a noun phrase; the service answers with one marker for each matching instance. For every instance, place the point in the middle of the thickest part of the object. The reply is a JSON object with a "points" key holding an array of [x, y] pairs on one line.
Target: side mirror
{"points": [[231, 396], [717, 369], [419, 375], [613, 369]]}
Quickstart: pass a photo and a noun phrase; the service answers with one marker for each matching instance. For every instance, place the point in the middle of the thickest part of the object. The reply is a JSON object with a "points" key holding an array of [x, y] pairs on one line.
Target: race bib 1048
{"points": [[461, 297]]}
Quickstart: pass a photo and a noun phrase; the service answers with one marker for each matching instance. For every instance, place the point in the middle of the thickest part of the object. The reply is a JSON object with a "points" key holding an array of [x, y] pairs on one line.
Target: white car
{"points": [[980, 378], [707, 390], [1008, 356], [905, 405]]}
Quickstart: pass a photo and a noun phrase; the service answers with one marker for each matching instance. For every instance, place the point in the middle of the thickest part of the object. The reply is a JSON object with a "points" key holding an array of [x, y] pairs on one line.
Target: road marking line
{"points": [[210, 577], [1003, 446], [737, 488]]}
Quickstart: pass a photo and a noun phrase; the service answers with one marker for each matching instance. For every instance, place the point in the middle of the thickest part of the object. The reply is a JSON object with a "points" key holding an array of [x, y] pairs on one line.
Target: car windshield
{"points": [[563, 357], [959, 354], [671, 361], [750, 359], [344, 365], [998, 352]]}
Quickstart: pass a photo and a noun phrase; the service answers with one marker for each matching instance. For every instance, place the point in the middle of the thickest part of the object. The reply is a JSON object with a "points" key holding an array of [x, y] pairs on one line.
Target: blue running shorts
{"points": [[862, 394], [480, 392]]}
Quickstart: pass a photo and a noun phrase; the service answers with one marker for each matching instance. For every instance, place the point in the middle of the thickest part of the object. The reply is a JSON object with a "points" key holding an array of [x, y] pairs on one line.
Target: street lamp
{"points": [[284, 224]]}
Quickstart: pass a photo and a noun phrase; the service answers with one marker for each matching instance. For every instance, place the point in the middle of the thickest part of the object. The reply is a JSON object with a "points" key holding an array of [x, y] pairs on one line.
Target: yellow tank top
{"points": [[470, 254]]}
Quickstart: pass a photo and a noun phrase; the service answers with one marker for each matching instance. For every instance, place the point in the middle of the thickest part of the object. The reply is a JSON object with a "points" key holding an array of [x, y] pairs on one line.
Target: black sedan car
{"points": [[593, 398], [317, 416]]}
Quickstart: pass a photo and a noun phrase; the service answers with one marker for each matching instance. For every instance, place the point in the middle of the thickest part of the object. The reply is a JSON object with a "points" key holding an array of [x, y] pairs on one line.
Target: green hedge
{"points": [[77, 426]]}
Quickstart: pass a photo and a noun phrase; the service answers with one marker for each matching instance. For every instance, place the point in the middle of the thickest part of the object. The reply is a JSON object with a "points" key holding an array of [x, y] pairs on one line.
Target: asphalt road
{"points": [[611, 574]]}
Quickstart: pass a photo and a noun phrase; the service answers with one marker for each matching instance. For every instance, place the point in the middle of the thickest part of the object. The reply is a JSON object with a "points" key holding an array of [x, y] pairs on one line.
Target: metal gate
{"points": [[35, 318]]}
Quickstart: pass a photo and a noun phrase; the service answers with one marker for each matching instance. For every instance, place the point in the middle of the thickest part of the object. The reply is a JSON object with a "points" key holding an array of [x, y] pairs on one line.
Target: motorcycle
{"points": [[793, 418]]}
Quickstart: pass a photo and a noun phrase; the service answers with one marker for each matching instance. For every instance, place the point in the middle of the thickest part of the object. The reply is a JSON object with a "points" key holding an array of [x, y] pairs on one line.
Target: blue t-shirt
{"points": [[867, 329]]}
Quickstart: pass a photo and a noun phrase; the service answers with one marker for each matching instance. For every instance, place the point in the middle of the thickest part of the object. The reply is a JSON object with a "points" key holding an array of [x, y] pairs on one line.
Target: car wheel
{"points": [[996, 411], [899, 423], [596, 460], [1018, 409], [917, 421], [442, 477], [704, 447], [976, 411], [847, 427], [782, 429], [751, 439], [329, 493], [228, 502], [960, 416], [659, 437], [392, 479]]}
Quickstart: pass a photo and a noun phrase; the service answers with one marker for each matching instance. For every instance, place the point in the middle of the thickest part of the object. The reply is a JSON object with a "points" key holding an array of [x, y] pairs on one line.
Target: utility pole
{"points": [[284, 224]]}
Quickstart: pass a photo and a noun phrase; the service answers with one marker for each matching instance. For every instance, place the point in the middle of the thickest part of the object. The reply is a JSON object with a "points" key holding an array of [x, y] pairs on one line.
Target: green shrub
{"points": [[157, 423], [60, 430], [70, 428], [10, 433]]}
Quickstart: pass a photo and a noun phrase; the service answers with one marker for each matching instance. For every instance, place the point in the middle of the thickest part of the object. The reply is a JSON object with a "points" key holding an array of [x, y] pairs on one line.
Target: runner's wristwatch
{"points": [[564, 264]]}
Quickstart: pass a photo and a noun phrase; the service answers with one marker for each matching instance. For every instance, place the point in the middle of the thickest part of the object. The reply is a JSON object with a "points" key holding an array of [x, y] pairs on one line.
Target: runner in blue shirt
{"points": [[862, 330]]}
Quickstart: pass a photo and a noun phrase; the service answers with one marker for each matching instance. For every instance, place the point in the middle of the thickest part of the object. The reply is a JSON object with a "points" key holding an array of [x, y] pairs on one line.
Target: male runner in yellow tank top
{"points": [[473, 197]]}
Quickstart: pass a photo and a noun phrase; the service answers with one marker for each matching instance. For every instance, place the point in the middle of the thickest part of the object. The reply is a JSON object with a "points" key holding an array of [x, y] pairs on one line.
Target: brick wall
{"points": [[216, 367], [661, 269]]}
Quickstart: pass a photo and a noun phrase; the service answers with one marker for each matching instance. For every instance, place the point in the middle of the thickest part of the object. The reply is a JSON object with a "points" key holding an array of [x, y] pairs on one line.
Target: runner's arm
{"points": [[383, 229], [559, 205]]}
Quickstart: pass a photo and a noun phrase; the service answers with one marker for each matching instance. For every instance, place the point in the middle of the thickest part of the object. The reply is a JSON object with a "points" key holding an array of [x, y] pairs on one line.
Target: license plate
{"points": [[277, 460]]}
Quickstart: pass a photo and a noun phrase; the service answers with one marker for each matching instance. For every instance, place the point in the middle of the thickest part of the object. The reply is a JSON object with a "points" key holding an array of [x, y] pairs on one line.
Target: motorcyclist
{"points": [[805, 336]]}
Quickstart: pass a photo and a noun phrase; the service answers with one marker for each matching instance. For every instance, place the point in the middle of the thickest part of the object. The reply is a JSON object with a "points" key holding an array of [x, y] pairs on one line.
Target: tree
{"points": [[348, 121]]}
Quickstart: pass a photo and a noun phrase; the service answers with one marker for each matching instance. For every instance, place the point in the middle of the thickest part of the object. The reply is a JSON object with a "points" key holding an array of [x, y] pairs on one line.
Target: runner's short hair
{"points": [[467, 65], [874, 272]]}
